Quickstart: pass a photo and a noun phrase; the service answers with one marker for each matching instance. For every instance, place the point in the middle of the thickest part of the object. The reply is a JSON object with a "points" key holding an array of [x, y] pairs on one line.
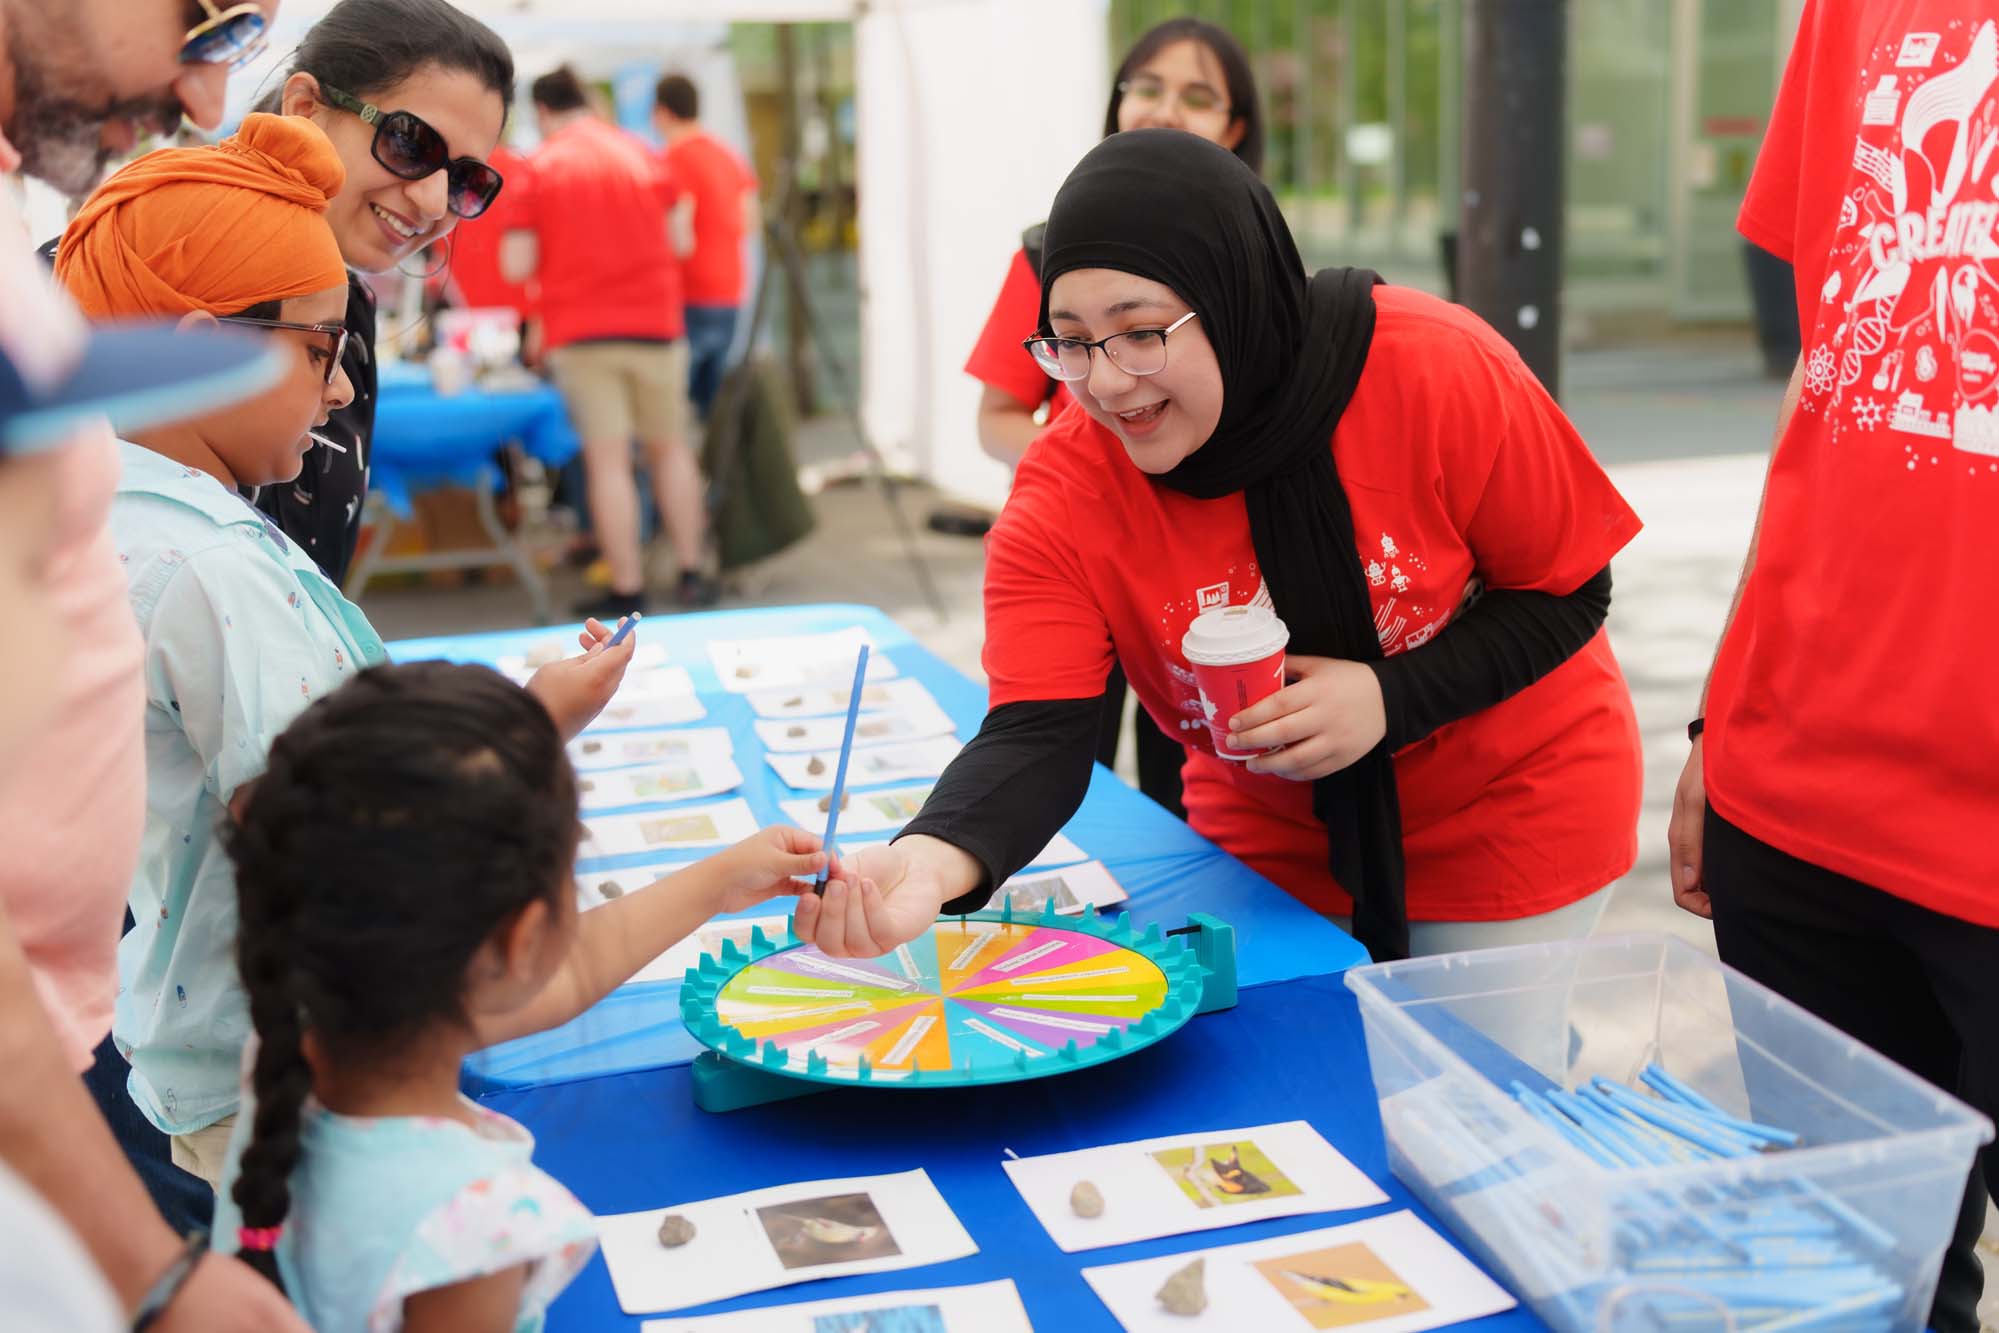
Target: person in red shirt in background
{"points": [[593, 228], [475, 280], [1838, 817], [720, 192], [1457, 724], [1183, 74]]}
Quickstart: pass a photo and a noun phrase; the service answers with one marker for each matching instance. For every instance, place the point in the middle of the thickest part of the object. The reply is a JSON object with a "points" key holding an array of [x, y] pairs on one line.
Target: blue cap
{"points": [[137, 375]]}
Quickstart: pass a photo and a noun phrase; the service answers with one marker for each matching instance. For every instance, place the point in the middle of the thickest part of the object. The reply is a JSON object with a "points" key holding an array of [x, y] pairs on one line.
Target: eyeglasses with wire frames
{"points": [[410, 148], [234, 36], [1196, 99], [1135, 352], [334, 352]]}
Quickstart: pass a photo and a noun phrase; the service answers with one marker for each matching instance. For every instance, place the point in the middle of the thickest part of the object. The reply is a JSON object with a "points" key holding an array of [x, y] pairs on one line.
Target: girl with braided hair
{"points": [[405, 898]]}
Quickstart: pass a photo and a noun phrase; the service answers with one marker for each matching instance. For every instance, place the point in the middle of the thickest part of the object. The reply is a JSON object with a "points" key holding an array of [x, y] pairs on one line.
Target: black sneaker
{"points": [[696, 590], [612, 606]]}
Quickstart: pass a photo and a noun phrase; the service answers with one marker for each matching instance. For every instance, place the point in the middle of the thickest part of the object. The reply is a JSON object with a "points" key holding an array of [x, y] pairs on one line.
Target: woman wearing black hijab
{"points": [[1457, 744]]}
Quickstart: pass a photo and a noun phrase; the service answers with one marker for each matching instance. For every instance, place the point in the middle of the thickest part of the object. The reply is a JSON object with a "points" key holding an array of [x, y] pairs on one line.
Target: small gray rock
{"points": [[610, 888], [815, 766], [1186, 1292], [1086, 1200], [675, 1231]]}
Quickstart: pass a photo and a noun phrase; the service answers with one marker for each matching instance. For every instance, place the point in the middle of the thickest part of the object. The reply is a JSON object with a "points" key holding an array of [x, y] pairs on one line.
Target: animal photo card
{"points": [[701, 774], [989, 1307], [786, 735], [667, 832], [661, 697], [1073, 889], [690, 1254], [885, 696], [795, 662], [1190, 1182], [595, 750], [1388, 1274], [883, 811], [868, 765]]}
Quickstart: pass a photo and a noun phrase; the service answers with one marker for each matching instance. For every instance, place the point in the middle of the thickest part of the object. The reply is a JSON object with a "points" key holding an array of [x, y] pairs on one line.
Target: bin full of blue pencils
{"points": [[1634, 1136]]}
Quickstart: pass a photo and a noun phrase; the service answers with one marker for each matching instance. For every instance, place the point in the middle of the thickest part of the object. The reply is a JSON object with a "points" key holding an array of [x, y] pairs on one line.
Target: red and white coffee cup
{"points": [[1237, 653]]}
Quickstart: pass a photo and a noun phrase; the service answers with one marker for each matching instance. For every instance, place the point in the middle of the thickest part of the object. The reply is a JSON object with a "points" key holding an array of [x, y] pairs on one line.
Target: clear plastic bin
{"points": [[1844, 1231]]}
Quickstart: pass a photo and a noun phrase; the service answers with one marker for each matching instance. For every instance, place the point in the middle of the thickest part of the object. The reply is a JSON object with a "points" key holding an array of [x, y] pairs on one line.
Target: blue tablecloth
{"points": [[1290, 1050], [1168, 869], [425, 439]]}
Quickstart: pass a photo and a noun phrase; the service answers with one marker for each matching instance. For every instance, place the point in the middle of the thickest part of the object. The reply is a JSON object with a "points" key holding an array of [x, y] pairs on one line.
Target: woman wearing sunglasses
{"points": [[1183, 74], [1455, 762], [413, 95]]}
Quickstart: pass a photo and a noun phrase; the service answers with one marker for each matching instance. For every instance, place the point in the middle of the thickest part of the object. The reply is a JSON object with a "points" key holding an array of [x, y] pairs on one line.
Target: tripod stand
{"points": [[785, 261]]}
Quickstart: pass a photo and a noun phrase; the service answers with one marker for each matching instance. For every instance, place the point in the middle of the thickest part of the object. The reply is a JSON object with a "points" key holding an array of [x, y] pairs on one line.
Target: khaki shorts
{"points": [[201, 1153], [624, 390]]}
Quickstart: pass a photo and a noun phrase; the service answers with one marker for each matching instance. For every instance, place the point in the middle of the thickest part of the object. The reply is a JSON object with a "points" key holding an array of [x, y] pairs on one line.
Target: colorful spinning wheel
{"points": [[976, 999]]}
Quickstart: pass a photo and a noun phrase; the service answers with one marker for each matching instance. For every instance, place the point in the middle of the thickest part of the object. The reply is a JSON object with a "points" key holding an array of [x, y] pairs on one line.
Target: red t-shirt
{"points": [[598, 198], [1458, 467], [999, 359], [475, 243], [710, 171], [1853, 719]]}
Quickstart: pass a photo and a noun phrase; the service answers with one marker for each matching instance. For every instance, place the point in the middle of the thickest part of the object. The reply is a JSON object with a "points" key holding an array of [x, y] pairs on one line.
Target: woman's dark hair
{"points": [[364, 46], [1245, 108], [558, 90], [677, 93], [401, 821]]}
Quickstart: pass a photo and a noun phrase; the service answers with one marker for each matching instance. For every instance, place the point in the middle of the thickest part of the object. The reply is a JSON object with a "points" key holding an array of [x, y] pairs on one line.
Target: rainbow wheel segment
{"points": [[984, 998]]}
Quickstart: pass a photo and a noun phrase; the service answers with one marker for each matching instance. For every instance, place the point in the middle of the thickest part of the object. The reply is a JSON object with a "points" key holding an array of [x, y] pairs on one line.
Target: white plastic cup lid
{"points": [[1233, 634]]}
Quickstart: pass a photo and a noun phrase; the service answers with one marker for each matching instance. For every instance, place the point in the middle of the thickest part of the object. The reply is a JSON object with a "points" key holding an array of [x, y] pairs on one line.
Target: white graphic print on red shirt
{"points": [[1903, 348]]}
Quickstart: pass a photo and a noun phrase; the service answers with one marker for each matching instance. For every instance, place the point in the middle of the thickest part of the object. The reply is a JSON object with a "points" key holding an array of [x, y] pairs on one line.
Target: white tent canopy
{"points": [[969, 113]]}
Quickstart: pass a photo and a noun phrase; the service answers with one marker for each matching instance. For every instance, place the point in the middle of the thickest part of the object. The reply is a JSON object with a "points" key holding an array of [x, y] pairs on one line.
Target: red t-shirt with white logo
{"points": [[1459, 470], [597, 199], [1853, 717], [998, 358]]}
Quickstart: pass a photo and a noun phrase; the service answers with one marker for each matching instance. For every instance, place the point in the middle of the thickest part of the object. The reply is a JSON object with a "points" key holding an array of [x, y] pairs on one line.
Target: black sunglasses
{"points": [[337, 332], [411, 149]]}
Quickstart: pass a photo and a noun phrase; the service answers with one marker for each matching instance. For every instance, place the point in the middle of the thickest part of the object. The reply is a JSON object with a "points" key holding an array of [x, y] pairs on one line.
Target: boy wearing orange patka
{"points": [[242, 630]]}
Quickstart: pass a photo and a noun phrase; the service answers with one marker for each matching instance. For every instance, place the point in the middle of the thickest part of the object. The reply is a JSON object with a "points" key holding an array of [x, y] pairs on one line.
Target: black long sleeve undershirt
{"points": [[1021, 778]]}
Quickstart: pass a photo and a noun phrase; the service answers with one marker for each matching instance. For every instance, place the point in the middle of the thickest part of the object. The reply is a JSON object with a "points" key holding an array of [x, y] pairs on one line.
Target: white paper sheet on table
{"points": [[989, 1307], [782, 736], [701, 774], [622, 749], [1073, 889], [794, 661], [883, 811], [663, 697], [688, 826], [1394, 1262], [831, 700], [868, 765], [779, 1236], [519, 666], [1207, 1180]]}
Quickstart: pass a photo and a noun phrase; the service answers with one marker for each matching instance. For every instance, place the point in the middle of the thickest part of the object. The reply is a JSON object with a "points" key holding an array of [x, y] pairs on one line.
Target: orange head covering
{"points": [[217, 229]]}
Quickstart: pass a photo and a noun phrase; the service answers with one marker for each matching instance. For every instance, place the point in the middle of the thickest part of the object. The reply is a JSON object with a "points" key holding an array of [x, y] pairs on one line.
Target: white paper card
{"points": [[990, 1307], [867, 765], [718, 825], [621, 749], [794, 661], [661, 698], [822, 700], [700, 775], [826, 733], [1178, 1183], [518, 667], [1060, 851], [1405, 1273], [1073, 889], [882, 811], [778, 1236]]}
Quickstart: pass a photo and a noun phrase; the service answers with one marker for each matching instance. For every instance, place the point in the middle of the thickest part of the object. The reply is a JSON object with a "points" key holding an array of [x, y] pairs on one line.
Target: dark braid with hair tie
{"points": [[400, 821]]}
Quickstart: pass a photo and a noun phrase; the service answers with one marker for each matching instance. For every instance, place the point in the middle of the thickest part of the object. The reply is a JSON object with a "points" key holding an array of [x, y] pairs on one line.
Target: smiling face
{"points": [[379, 218], [264, 440], [1162, 89], [1160, 419]]}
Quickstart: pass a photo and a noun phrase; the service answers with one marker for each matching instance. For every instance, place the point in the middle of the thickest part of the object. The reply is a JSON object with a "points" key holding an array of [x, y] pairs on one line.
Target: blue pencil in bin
{"points": [[840, 773]]}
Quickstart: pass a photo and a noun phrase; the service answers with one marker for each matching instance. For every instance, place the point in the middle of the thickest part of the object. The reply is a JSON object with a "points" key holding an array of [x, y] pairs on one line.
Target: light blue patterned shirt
{"points": [[242, 631]]}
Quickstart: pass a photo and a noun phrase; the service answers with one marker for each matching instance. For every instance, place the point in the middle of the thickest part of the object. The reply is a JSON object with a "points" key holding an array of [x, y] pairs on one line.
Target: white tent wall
{"points": [[970, 114]]}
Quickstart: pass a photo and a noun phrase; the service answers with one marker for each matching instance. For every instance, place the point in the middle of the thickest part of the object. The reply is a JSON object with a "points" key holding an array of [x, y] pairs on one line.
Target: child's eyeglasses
{"points": [[234, 36], [337, 332], [411, 149]]}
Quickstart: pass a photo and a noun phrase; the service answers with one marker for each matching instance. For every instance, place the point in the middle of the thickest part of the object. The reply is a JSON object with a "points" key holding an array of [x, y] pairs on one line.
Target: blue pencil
{"points": [[840, 773], [630, 623]]}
